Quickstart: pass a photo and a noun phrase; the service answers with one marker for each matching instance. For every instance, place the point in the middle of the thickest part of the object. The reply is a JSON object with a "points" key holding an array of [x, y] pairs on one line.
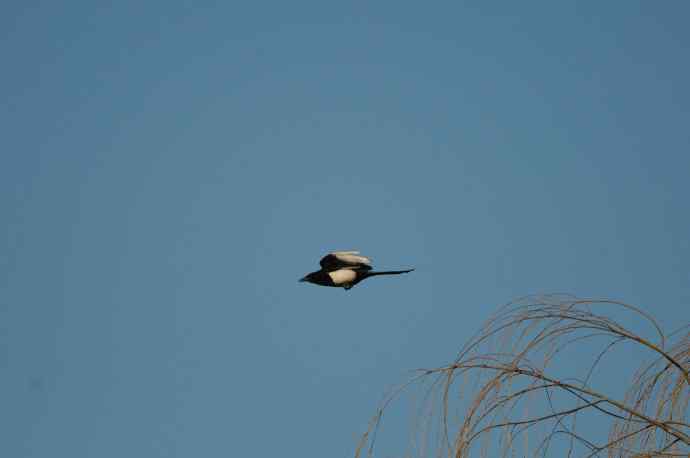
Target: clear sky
{"points": [[169, 170]]}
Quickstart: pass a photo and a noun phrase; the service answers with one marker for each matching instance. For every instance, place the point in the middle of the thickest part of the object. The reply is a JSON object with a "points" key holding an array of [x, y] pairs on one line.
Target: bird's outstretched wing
{"points": [[345, 260]]}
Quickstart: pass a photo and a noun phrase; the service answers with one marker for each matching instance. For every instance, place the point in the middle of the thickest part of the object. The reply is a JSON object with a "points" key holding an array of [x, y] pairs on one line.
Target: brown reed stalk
{"points": [[508, 392]]}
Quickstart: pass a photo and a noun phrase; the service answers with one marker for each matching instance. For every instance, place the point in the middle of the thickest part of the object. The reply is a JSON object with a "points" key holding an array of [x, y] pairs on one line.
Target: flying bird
{"points": [[345, 269]]}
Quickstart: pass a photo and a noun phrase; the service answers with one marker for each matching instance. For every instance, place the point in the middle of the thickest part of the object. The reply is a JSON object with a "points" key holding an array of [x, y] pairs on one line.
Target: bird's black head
{"points": [[310, 277], [319, 278]]}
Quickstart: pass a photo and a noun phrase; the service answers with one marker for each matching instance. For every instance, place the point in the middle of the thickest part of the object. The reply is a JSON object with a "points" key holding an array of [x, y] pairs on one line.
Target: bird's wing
{"points": [[345, 260]]}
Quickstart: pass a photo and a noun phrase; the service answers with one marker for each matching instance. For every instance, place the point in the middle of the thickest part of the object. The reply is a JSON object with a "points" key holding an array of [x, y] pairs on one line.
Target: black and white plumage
{"points": [[345, 269]]}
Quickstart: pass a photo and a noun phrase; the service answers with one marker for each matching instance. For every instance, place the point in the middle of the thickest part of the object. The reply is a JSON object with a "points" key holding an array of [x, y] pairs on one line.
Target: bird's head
{"points": [[309, 278], [318, 278]]}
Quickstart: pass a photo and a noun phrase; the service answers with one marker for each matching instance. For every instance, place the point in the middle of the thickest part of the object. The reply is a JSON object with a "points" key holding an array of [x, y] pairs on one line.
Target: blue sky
{"points": [[170, 171]]}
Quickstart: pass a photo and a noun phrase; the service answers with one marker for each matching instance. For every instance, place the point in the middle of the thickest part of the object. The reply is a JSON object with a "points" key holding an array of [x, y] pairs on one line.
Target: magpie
{"points": [[345, 269]]}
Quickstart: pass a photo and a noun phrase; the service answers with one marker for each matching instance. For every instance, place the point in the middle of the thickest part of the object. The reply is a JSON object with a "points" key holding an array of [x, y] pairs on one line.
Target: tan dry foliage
{"points": [[505, 394]]}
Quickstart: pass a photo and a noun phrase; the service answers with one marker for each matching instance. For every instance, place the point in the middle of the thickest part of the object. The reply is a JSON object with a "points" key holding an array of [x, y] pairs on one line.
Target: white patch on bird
{"points": [[351, 257], [342, 276]]}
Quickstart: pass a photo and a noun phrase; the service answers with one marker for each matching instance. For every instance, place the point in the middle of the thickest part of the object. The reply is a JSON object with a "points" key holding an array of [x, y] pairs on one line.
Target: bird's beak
{"points": [[303, 279]]}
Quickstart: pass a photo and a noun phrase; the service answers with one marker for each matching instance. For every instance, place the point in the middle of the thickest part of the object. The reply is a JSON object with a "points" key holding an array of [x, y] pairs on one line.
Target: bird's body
{"points": [[343, 276], [344, 269]]}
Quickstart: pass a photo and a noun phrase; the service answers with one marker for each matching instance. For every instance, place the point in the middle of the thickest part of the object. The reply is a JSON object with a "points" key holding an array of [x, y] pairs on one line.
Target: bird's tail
{"points": [[389, 272]]}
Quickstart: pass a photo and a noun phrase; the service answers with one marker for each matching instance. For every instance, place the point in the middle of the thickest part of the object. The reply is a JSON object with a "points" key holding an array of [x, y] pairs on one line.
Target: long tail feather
{"points": [[389, 272]]}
